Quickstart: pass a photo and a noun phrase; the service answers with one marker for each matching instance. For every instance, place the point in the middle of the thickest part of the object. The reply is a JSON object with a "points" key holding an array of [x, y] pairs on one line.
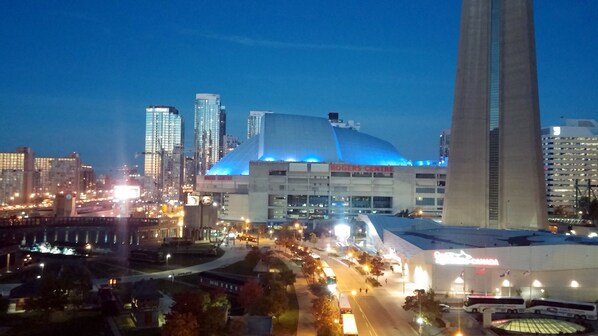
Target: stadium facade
{"points": [[303, 168]]}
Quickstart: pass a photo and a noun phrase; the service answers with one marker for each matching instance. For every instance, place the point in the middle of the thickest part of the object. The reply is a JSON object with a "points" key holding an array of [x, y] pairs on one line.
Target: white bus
{"points": [[343, 304], [329, 276], [500, 304], [349, 325], [579, 310]]}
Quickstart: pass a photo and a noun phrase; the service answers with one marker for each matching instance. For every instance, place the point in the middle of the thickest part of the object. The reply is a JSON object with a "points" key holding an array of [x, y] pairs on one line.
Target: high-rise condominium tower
{"points": [[571, 164], [164, 152], [254, 122], [208, 127], [495, 176]]}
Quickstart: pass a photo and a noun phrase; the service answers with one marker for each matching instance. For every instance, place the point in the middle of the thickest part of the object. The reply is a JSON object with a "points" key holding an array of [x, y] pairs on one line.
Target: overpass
{"points": [[99, 231]]}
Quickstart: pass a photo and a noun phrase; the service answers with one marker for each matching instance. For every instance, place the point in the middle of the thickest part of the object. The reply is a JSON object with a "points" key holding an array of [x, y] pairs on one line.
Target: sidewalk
{"points": [[305, 324]]}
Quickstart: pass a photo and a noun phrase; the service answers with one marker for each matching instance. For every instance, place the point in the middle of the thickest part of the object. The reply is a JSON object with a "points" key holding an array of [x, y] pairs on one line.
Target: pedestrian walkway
{"points": [[305, 324]]}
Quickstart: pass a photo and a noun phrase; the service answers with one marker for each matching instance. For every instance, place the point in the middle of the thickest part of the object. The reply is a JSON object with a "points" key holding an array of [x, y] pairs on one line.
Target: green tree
{"points": [[275, 301], [212, 319], [180, 324], [209, 310], [423, 303]]}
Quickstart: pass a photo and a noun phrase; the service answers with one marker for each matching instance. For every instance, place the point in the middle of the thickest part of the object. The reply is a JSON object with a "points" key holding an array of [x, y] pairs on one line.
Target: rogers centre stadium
{"points": [[303, 168]]}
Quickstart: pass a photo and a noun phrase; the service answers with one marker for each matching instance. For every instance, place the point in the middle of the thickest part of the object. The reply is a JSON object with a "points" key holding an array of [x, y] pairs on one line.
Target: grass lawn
{"points": [[286, 324]]}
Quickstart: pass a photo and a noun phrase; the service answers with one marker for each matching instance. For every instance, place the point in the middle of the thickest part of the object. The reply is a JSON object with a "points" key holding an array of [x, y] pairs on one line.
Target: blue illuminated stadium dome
{"points": [[294, 138]]}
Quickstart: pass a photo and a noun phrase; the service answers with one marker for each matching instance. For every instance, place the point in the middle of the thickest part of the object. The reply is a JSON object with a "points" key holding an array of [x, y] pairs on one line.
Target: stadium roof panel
{"points": [[295, 138]]}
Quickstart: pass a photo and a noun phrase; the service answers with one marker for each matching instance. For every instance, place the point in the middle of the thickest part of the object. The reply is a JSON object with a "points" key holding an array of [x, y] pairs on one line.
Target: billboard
{"points": [[126, 192]]}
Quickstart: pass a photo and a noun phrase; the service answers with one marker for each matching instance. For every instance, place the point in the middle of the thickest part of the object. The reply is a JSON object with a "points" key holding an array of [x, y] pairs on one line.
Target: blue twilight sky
{"points": [[77, 75]]}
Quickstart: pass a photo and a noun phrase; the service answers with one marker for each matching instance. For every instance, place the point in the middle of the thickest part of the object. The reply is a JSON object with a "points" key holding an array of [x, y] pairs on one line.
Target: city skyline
{"points": [[66, 68]]}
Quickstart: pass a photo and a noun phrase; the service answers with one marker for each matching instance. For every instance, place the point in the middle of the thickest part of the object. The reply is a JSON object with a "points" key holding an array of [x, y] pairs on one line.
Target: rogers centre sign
{"points": [[340, 167], [462, 258]]}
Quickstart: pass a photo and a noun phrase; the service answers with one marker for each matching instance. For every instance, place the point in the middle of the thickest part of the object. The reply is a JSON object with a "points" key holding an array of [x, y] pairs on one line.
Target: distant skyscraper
{"points": [[495, 176], [254, 122], [444, 142], [222, 144], [16, 176], [57, 174], [208, 139], [164, 162], [571, 164]]}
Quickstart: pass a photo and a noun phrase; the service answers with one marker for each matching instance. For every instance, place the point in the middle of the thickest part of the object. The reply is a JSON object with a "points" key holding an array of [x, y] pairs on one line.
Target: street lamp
{"points": [[420, 320], [167, 257]]}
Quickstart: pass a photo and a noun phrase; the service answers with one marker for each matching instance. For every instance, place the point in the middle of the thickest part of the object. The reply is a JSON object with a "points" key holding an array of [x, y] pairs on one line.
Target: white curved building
{"points": [[457, 259]]}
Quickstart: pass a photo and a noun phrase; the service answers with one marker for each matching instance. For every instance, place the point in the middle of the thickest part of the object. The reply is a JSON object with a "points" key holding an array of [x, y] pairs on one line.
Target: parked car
{"points": [[444, 307]]}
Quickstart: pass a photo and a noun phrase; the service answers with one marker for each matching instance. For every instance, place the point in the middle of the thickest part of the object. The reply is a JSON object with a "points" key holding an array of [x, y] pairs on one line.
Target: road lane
{"points": [[377, 313]]}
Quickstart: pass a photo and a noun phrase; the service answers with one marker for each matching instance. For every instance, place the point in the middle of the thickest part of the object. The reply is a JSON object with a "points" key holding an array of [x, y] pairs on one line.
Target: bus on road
{"points": [[578, 310], [343, 304], [501, 304], [349, 325], [329, 276]]}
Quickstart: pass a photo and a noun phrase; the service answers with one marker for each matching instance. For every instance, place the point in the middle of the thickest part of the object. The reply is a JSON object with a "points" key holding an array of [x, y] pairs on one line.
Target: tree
{"points": [[180, 324], [363, 258], [425, 304], [70, 285], [253, 256], [310, 266], [212, 320], [326, 313], [268, 257], [51, 295], [209, 310], [236, 327], [250, 295], [377, 267], [288, 277], [275, 301]]}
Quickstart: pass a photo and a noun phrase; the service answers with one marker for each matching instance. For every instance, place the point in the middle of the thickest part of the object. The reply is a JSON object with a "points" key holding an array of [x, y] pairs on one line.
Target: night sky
{"points": [[76, 76]]}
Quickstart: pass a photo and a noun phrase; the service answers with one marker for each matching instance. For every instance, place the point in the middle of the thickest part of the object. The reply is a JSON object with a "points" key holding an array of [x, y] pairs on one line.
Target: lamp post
{"points": [[167, 257], [420, 320]]}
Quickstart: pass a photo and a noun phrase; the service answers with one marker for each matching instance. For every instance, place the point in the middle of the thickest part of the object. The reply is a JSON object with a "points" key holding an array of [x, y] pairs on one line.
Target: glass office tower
{"points": [[208, 137]]}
